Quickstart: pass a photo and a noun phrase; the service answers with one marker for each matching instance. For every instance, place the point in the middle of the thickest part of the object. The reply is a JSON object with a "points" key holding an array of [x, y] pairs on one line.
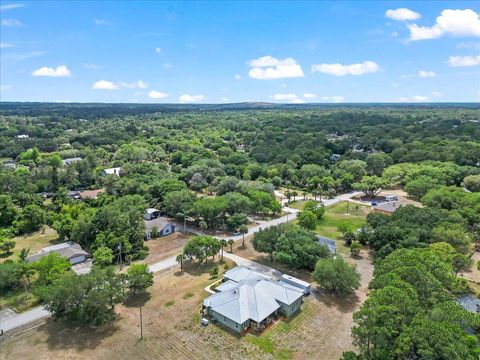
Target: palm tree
{"points": [[23, 254], [223, 243], [230, 242], [203, 226], [180, 258], [243, 229], [294, 194], [26, 272]]}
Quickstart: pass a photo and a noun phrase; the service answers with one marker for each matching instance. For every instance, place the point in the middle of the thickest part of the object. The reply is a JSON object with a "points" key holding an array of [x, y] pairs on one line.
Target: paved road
{"points": [[40, 313]]}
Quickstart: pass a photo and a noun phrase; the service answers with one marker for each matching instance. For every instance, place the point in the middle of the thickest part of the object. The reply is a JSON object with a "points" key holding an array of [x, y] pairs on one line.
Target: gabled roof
{"points": [[254, 299], [159, 223], [240, 273], [68, 250], [91, 194], [390, 206]]}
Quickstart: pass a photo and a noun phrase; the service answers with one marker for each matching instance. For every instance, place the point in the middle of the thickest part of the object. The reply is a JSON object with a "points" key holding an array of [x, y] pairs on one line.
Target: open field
{"points": [[34, 241], [171, 314]]}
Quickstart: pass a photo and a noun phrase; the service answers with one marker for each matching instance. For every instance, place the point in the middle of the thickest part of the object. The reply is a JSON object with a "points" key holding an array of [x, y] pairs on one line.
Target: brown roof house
{"points": [[90, 194]]}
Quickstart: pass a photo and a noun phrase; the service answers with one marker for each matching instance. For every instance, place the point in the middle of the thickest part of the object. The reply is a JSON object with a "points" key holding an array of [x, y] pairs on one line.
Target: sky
{"points": [[223, 52]]}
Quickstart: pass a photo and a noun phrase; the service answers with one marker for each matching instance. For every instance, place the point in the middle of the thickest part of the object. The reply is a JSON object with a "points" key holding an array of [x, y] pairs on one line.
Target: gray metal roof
{"points": [[254, 299], [390, 206], [159, 223], [240, 273], [329, 243], [70, 251]]}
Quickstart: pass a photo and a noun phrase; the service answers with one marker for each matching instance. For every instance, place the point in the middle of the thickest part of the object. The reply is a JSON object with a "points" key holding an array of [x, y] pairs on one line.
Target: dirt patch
{"points": [[165, 246]]}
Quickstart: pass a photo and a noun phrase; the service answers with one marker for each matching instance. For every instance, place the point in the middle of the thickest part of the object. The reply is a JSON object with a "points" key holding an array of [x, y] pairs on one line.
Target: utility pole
{"points": [[119, 259], [141, 324]]}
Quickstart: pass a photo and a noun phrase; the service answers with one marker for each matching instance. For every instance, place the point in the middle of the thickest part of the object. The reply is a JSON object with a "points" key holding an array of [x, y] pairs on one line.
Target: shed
{"points": [[112, 171], [73, 160], [151, 214], [387, 208]]}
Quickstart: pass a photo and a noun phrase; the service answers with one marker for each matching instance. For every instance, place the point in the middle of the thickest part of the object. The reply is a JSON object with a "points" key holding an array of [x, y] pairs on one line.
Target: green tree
{"points": [[370, 185], [223, 243], [85, 299], [336, 275], [179, 201], [180, 259], [307, 219], [31, 218], [50, 267], [243, 230], [355, 248], [315, 207], [8, 212], [139, 278], [472, 183], [236, 220], [103, 256], [6, 245]]}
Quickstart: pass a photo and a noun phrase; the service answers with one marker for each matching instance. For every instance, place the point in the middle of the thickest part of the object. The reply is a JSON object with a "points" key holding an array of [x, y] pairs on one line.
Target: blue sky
{"points": [[214, 52]]}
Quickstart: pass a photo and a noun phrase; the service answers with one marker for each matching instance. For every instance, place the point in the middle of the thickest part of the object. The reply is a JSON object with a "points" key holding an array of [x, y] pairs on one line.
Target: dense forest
{"points": [[218, 165]]}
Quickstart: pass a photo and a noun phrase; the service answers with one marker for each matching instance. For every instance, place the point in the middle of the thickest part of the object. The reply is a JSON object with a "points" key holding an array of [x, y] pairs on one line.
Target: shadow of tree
{"points": [[138, 300], [81, 337], [342, 303]]}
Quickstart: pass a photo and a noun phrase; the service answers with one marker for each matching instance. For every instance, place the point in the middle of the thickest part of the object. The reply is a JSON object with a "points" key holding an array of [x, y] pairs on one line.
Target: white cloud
{"points": [[102, 22], [292, 98], [109, 85], [4, 87], [342, 70], [105, 85], [460, 61], [11, 7], [140, 84], [238, 76], [450, 22], [59, 71], [437, 94], [284, 97], [26, 56], [402, 14], [158, 50], [191, 98], [309, 96], [224, 99], [420, 98], [426, 74], [5, 45], [11, 22], [336, 99], [157, 95], [167, 65], [416, 98], [268, 68]]}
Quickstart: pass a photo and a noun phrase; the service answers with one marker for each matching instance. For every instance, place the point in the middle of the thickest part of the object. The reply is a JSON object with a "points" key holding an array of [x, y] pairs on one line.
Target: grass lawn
{"points": [[336, 215], [34, 241], [18, 300]]}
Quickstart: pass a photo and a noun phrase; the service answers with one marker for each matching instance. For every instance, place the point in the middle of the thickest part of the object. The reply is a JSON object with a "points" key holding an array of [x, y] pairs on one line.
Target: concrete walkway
{"points": [[40, 313]]}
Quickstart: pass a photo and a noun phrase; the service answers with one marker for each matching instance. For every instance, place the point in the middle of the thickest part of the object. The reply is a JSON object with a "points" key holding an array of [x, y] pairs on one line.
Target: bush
{"points": [[355, 248], [214, 272], [336, 276]]}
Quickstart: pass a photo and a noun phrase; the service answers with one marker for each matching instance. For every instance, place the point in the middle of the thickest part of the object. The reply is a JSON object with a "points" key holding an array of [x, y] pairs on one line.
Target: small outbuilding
{"points": [[90, 194], [73, 160], [151, 214], [112, 171]]}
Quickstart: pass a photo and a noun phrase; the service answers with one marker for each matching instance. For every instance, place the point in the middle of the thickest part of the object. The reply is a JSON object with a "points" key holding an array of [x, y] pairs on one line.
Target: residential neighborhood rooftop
{"points": [[389, 207]]}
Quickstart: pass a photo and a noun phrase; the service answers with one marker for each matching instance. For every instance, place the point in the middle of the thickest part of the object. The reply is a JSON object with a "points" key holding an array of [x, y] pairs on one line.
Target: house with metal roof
{"points": [[112, 171], [73, 160], [160, 226], [251, 302], [387, 208], [70, 250]]}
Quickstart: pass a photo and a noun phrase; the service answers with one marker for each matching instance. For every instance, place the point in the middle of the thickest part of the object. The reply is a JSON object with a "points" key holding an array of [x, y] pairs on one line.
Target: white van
{"points": [[391, 198]]}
